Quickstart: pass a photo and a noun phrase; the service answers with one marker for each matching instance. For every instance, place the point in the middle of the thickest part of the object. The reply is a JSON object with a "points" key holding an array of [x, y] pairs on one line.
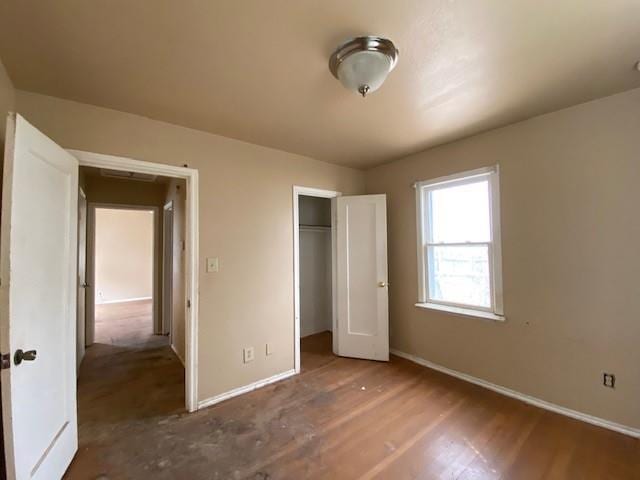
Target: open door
{"points": [[82, 276], [167, 268], [362, 296], [38, 303]]}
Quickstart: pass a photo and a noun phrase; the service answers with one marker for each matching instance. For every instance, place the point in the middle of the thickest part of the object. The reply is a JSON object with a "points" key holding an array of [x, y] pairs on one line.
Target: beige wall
{"points": [[7, 100], [245, 220], [124, 192], [124, 254], [176, 193], [570, 193]]}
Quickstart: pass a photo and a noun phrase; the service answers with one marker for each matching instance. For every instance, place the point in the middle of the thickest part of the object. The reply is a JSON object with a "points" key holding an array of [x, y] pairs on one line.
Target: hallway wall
{"points": [[176, 193], [124, 255]]}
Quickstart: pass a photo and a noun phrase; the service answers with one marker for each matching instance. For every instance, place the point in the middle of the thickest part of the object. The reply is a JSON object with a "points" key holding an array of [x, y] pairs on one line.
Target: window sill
{"points": [[467, 312]]}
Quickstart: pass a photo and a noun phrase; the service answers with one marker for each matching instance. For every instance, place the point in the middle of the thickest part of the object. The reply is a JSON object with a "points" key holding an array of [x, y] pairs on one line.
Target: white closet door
{"points": [[362, 286]]}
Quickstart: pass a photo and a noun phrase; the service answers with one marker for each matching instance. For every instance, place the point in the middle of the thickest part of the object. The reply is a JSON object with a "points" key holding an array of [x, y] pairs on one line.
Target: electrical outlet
{"points": [[268, 350], [609, 380], [248, 354]]}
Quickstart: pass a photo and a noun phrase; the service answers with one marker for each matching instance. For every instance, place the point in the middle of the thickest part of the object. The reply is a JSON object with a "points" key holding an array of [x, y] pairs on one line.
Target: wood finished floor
{"points": [[128, 325], [339, 419]]}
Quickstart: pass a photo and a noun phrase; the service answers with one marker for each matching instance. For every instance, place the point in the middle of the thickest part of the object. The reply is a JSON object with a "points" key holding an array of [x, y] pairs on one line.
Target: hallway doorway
{"points": [[133, 370], [125, 273]]}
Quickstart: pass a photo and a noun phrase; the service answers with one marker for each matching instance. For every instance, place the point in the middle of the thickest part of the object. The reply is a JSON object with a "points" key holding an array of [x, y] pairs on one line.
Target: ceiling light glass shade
{"points": [[362, 64]]}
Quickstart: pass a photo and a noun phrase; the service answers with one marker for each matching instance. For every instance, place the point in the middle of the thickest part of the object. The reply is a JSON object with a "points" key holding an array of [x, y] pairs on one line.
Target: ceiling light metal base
{"points": [[364, 89], [362, 44]]}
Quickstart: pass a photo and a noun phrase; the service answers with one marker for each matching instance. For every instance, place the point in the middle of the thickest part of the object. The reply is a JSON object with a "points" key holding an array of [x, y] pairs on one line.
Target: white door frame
{"points": [[91, 258], [310, 192], [190, 175]]}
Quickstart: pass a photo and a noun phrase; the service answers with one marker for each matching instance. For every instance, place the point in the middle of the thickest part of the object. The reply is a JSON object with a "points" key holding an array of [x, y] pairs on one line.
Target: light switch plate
{"points": [[268, 349], [212, 264], [248, 354]]}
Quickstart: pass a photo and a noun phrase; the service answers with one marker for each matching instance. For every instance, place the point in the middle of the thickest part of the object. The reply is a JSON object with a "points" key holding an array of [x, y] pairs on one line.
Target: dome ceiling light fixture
{"points": [[363, 63]]}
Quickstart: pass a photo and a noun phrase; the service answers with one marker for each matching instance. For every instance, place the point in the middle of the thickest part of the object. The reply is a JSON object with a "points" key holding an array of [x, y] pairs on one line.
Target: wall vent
{"points": [[140, 177]]}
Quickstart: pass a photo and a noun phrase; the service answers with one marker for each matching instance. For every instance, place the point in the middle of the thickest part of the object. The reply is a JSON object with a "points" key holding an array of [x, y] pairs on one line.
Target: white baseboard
{"points": [[124, 300], [247, 388], [600, 422], [177, 355]]}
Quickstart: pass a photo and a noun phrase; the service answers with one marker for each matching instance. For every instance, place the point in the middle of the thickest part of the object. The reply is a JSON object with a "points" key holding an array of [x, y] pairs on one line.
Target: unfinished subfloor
{"points": [[339, 419]]}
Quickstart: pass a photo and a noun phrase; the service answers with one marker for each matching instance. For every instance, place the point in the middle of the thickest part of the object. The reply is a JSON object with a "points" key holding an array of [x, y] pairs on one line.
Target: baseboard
{"points": [[125, 300], [246, 389], [178, 355], [600, 422]]}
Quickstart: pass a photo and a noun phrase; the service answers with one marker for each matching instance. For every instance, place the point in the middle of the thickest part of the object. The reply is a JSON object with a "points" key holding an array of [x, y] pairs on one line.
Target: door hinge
{"points": [[188, 303], [5, 361]]}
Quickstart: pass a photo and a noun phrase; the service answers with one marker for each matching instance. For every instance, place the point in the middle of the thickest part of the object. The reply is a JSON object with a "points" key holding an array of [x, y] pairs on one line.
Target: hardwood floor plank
{"points": [[339, 419]]}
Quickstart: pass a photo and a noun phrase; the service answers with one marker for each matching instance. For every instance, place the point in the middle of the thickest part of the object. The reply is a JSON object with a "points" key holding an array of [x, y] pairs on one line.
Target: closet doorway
{"points": [[314, 259]]}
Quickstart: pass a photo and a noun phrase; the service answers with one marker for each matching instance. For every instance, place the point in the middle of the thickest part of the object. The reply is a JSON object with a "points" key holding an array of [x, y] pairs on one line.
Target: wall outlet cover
{"points": [[248, 354], [609, 380]]}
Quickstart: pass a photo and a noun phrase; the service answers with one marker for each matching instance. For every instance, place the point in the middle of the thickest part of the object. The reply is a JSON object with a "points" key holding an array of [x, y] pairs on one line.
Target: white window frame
{"points": [[496, 310]]}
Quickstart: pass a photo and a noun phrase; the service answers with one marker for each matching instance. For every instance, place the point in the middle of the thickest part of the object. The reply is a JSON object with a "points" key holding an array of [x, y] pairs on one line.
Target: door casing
{"points": [[311, 192], [190, 175]]}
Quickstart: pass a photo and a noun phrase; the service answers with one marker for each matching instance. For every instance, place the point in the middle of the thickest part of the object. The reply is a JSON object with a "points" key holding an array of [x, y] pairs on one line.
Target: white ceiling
{"points": [[256, 70]]}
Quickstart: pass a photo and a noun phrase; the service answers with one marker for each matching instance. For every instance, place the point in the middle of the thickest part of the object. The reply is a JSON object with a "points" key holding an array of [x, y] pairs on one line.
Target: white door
{"points": [[362, 296], [38, 303], [167, 268], [90, 276], [82, 276]]}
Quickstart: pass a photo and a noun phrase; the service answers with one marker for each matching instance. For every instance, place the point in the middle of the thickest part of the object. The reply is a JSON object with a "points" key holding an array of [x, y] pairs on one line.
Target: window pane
{"points": [[460, 274], [460, 213]]}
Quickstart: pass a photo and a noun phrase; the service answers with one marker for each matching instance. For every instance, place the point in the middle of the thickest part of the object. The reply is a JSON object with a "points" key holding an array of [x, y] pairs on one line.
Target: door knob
{"points": [[383, 284], [29, 356]]}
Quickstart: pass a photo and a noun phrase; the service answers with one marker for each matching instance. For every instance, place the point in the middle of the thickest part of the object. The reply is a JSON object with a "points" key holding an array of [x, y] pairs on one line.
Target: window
{"points": [[459, 244]]}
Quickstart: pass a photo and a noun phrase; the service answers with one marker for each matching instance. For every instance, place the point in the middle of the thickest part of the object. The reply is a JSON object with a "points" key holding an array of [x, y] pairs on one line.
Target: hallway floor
{"points": [[127, 324], [129, 380], [339, 419]]}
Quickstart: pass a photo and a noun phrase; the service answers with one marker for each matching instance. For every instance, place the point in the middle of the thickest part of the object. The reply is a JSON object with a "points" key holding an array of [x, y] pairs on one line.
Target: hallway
{"points": [[128, 381]]}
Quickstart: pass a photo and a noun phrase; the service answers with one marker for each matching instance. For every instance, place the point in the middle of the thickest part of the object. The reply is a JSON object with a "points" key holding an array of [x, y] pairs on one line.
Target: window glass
{"points": [[460, 274], [460, 213]]}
